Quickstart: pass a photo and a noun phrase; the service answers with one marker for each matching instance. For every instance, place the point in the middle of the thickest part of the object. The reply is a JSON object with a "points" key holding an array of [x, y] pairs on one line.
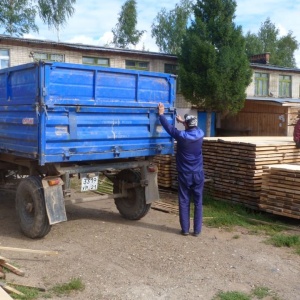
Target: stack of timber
{"points": [[280, 193], [235, 164], [174, 174], [163, 163]]}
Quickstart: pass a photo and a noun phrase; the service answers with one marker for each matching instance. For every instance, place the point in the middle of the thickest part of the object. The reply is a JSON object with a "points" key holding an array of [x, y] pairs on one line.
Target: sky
{"points": [[93, 20]]}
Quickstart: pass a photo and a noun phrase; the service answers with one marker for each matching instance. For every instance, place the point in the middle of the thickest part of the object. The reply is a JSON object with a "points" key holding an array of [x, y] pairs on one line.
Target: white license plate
{"points": [[89, 184]]}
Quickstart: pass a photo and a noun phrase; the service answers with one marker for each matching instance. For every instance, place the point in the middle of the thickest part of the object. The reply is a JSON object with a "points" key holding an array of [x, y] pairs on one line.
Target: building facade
{"points": [[271, 106], [272, 102]]}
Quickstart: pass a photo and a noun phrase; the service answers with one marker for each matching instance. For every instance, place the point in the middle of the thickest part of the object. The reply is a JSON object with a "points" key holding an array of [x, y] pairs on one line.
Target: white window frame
{"points": [[48, 56], [4, 58]]}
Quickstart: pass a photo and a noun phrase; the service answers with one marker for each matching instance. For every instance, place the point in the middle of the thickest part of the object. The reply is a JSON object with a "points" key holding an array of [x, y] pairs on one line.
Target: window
{"points": [[285, 84], [48, 56], [96, 61], [171, 69], [4, 58], [137, 65], [261, 84]]}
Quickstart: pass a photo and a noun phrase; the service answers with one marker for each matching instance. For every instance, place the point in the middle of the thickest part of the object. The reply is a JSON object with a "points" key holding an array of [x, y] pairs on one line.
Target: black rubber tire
{"points": [[134, 206], [31, 208]]}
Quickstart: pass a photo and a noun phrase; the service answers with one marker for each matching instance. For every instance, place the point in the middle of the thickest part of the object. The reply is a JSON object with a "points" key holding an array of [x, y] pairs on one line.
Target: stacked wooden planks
{"points": [[174, 174], [235, 164], [280, 193], [163, 163]]}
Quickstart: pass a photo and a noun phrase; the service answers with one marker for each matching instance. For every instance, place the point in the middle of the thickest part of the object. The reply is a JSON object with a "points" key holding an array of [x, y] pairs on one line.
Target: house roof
{"points": [[276, 101], [86, 47], [274, 68]]}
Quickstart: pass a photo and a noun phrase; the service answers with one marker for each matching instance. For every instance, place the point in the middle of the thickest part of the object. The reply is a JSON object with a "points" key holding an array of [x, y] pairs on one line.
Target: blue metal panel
{"points": [[70, 84], [101, 133], [19, 130], [66, 113]]}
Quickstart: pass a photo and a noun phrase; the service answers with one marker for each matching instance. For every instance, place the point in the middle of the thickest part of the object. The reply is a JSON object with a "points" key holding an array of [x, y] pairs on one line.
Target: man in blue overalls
{"points": [[189, 163]]}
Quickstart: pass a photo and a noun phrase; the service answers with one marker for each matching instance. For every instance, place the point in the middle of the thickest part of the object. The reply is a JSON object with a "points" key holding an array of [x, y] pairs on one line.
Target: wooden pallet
{"points": [[166, 206]]}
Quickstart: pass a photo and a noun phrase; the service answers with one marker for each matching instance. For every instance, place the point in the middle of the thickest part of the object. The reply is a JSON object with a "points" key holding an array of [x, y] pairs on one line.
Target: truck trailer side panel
{"points": [[58, 112]]}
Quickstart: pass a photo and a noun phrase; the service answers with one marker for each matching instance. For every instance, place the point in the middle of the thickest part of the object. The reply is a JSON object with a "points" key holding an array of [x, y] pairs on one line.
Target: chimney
{"points": [[263, 58]]}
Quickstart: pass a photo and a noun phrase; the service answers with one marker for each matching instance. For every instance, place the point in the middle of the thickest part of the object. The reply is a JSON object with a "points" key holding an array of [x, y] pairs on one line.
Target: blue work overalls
{"points": [[189, 163]]}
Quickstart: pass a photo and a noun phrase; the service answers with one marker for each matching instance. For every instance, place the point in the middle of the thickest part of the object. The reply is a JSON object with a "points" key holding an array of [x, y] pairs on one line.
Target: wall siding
{"points": [[257, 120]]}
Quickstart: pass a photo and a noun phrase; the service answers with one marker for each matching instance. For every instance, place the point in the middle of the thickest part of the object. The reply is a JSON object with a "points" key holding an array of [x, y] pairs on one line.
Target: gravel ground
{"points": [[146, 259]]}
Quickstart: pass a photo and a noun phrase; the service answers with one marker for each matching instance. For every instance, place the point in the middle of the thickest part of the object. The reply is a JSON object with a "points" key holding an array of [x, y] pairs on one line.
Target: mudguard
{"points": [[54, 199]]}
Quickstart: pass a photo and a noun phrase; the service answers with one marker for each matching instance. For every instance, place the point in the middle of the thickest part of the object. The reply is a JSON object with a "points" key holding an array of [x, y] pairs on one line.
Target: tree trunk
{"points": [[208, 123]]}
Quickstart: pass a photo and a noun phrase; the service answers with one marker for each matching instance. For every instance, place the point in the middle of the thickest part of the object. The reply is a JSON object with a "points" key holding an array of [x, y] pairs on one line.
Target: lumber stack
{"points": [[280, 190], [163, 163], [235, 164]]}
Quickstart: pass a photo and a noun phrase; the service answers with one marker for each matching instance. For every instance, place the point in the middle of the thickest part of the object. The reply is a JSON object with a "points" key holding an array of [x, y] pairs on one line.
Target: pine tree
{"points": [[214, 69]]}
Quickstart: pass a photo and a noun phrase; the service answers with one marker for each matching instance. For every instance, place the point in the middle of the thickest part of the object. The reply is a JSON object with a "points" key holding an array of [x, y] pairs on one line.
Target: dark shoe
{"points": [[184, 233], [196, 234]]}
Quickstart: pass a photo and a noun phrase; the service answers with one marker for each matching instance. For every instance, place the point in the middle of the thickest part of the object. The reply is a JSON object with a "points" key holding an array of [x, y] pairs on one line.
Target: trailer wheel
{"points": [[134, 206], [31, 208]]}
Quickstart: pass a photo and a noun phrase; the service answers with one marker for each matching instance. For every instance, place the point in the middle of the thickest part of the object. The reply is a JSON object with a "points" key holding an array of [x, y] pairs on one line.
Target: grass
{"points": [[75, 284], [232, 296], [227, 215], [256, 293], [283, 240], [64, 289], [261, 292]]}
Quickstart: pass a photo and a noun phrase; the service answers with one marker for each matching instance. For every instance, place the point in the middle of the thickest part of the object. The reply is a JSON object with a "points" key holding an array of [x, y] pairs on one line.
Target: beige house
{"points": [[272, 103], [273, 97], [15, 51]]}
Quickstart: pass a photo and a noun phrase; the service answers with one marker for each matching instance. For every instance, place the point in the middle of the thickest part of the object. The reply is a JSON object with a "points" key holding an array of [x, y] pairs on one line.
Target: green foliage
{"points": [[17, 17], [169, 27], [125, 32], [214, 70], [54, 13], [267, 40]]}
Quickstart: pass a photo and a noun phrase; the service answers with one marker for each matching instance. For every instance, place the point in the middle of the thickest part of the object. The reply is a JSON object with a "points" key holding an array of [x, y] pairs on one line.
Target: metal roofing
{"points": [[279, 101], [275, 68], [86, 47]]}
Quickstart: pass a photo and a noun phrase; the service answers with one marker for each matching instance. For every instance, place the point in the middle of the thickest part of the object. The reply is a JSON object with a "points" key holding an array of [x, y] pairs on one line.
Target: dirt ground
{"points": [[147, 259]]}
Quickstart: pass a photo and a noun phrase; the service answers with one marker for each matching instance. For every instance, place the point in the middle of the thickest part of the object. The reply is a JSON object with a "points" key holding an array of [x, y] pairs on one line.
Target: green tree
{"points": [[125, 32], [55, 13], [214, 70], [267, 40], [169, 27], [17, 17]]}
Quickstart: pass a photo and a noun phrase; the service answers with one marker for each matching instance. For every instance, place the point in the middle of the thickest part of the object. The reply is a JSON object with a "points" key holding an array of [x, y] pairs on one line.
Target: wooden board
{"points": [[4, 295]]}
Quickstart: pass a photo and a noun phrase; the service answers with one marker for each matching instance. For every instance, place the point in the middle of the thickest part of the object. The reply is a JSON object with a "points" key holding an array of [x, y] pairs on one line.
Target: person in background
{"points": [[189, 162]]}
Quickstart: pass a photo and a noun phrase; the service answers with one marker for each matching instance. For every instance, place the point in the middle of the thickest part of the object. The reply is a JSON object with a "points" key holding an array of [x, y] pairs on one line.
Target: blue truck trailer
{"points": [[59, 121]]}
